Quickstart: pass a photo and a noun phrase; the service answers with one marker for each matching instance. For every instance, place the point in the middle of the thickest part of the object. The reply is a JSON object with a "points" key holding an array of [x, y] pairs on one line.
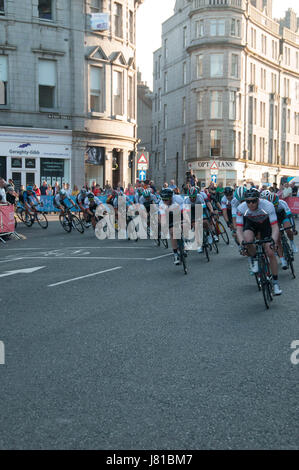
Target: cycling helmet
{"points": [[252, 193], [146, 193], [192, 192], [266, 194], [29, 188], [83, 191], [240, 193], [271, 197], [166, 194], [228, 191], [90, 196], [140, 190], [62, 192]]}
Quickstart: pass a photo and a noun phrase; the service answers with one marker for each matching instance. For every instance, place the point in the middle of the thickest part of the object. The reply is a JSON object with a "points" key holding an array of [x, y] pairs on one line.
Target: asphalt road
{"points": [[142, 356]]}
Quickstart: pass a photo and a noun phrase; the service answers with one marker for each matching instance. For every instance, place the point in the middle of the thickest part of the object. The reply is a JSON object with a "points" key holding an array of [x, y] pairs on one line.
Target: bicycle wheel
{"points": [[27, 219], [181, 255], [289, 258], [264, 281], [258, 281], [206, 250], [165, 242], [77, 224], [220, 229], [19, 213], [42, 220], [215, 246], [65, 223]]}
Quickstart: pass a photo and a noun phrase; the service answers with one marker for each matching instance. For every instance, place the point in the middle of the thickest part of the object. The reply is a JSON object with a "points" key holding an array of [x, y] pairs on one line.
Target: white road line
{"points": [[158, 257], [85, 248], [9, 260], [82, 277], [57, 258]]}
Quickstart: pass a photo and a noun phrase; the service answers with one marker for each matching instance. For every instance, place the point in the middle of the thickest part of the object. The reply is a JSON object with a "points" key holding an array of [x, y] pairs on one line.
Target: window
{"points": [[232, 104], [199, 66], [47, 83], [165, 82], [286, 87], [235, 28], [118, 20], [216, 105], [165, 49], [199, 29], [264, 44], [270, 151], [45, 9], [253, 38], [274, 82], [232, 140], [200, 105], [159, 99], [131, 27], [250, 156], [3, 79], [165, 150], [235, 66], [185, 36], [263, 79], [184, 110], [184, 147], [252, 73], [95, 6], [165, 117], [2, 12], [216, 66], [159, 66], [289, 121], [199, 144], [217, 27], [131, 100], [184, 73], [117, 93], [215, 143], [96, 87]]}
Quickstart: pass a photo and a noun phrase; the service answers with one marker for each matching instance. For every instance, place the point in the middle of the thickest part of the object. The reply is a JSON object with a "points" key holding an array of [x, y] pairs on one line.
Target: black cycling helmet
{"points": [[252, 193], [228, 191], [166, 194]]}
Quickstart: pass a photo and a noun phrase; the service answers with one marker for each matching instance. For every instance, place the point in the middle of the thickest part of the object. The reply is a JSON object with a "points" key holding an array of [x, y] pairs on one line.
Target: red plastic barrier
{"points": [[293, 203], [7, 219]]}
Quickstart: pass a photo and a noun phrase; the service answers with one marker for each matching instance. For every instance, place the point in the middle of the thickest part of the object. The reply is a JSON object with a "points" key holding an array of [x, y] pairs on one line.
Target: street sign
{"points": [[214, 166], [214, 178], [142, 166], [142, 175], [142, 159]]}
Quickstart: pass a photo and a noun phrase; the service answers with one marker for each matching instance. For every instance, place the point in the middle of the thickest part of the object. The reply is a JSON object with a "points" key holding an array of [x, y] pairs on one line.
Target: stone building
{"points": [[68, 90], [144, 115], [226, 90]]}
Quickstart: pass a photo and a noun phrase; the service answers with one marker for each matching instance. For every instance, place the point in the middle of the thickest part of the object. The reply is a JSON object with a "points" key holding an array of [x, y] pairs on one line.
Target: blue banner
{"points": [[48, 205]]}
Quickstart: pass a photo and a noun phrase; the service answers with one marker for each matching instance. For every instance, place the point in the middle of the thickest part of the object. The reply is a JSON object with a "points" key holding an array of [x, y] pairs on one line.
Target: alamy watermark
{"points": [[134, 221], [2, 353], [295, 354]]}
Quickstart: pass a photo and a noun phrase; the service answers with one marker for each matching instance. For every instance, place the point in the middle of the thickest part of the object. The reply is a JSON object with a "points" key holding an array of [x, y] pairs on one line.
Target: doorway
{"points": [[116, 162]]}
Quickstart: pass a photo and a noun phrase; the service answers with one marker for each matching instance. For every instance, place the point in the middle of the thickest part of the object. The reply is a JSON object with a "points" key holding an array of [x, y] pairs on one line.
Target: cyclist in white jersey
{"points": [[257, 218], [170, 205]]}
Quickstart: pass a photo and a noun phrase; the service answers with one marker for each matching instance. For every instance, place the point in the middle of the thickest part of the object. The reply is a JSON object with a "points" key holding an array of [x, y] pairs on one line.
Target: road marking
{"points": [[22, 271], [88, 248], [158, 257], [10, 259], [83, 277]]}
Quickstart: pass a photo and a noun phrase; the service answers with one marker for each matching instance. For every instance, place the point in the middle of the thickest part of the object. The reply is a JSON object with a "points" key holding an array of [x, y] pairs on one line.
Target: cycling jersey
{"points": [[199, 200], [283, 206], [265, 211], [234, 205], [92, 204], [30, 198], [115, 201], [59, 201], [80, 199], [225, 203]]}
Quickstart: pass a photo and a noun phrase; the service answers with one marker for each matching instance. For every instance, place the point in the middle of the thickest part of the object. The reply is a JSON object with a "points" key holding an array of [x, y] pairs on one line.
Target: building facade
{"points": [[226, 90], [144, 116], [68, 91]]}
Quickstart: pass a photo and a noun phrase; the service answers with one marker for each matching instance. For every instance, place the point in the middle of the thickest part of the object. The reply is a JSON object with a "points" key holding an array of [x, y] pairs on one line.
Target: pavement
{"points": [[108, 345]]}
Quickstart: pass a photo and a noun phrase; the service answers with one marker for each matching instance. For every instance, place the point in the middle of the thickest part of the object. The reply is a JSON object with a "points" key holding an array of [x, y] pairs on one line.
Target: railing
{"points": [[219, 3], [290, 36], [263, 20]]}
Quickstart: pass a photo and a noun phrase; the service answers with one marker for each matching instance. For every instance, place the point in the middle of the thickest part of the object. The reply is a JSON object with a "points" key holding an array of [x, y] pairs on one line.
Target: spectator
{"points": [[97, 190], [75, 191], [43, 189], [49, 191], [56, 188], [172, 184], [129, 190], [275, 188], [165, 185], [2, 191], [219, 191], [294, 189], [37, 191], [287, 191]]}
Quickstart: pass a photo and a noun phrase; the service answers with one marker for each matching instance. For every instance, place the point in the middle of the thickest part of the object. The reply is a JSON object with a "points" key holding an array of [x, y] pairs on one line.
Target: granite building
{"points": [[226, 90], [68, 91]]}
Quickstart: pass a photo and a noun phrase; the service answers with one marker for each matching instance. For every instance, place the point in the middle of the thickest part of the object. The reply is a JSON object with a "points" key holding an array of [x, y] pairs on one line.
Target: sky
{"points": [[150, 16]]}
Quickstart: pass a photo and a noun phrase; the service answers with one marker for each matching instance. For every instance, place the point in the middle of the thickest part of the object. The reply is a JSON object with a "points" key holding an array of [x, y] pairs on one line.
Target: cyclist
{"points": [[148, 200], [61, 201], [257, 218], [80, 200], [194, 197], [175, 202], [226, 206], [239, 197], [92, 202], [285, 219], [30, 200]]}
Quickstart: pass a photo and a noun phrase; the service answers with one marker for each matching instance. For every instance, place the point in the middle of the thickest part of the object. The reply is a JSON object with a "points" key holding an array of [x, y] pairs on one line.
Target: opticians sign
{"points": [[216, 164]]}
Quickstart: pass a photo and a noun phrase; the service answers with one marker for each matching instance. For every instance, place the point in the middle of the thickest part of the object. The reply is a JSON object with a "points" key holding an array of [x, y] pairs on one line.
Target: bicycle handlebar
{"points": [[259, 242]]}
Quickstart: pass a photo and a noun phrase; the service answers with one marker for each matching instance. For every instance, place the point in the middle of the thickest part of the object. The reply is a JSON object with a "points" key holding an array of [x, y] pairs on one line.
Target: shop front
{"points": [[31, 156], [227, 173]]}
